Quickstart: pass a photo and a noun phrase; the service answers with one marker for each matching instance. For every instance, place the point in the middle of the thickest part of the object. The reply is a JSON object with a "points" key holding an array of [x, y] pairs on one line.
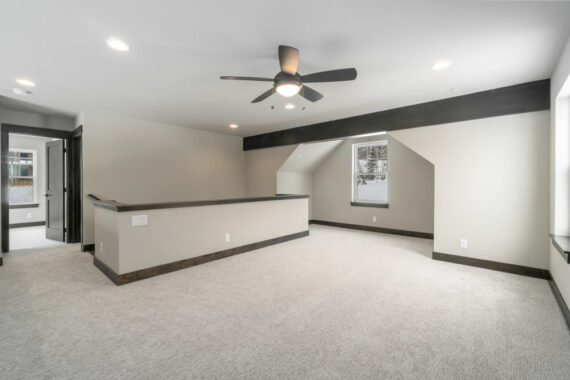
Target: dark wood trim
{"points": [[27, 224], [88, 248], [77, 132], [561, 303], [363, 204], [120, 207], [35, 131], [27, 205], [562, 245], [121, 279], [93, 197], [106, 270], [493, 265], [72, 159], [4, 211], [520, 98], [74, 185], [392, 231]]}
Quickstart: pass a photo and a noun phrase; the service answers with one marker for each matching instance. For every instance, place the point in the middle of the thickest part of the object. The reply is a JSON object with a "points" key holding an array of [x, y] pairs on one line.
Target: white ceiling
{"points": [[180, 47]]}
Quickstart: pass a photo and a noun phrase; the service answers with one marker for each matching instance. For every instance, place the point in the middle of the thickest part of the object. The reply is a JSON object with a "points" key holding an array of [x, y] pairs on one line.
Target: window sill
{"points": [[362, 204], [27, 205], [562, 245]]}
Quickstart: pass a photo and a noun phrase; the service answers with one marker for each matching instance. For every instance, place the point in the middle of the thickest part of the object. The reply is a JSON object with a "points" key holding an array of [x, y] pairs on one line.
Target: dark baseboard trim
{"points": [[88, 248], [27, 205], [121, 279], [423, 235], [560, 300], [362, 204], [27, 224], [1, 260], [493, 265], [106, 270]]}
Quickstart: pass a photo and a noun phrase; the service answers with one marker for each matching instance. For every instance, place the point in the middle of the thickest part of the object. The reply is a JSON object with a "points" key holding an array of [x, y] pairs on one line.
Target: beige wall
{"points": [[491, 186], [296, 183], [261, 169], [31, 119], [192, 231], [136, 161], [410, 189], [560, 167]]}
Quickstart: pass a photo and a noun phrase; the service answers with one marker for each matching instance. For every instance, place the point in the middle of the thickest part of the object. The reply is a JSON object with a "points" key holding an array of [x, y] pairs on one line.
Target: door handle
{"points": [[46, 195]]}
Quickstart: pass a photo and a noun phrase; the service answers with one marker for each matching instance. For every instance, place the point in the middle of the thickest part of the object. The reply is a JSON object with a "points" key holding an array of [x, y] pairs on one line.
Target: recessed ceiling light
{"points": [[441, 65], [289, 106], [21, 91], [233, 126], [25, 82], [117, 44]]}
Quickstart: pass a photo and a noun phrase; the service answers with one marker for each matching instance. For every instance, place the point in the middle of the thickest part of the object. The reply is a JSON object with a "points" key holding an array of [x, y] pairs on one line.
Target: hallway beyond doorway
{"points": [[30, 237]]}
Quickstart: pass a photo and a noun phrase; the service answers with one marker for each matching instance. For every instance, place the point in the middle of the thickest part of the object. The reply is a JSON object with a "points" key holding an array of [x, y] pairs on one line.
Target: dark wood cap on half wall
{"points": [[119, 207]]}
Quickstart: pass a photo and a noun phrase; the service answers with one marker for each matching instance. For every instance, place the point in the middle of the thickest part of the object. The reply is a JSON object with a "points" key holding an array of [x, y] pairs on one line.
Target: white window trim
{"points": [[352, 172], [34, 173]]}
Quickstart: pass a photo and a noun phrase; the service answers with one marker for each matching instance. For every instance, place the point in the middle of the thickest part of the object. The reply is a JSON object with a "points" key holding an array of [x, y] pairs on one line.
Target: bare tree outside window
{"points": [[370, 172], [21, 176]]}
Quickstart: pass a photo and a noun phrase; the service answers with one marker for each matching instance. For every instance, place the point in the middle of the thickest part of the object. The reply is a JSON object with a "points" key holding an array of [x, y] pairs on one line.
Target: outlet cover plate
{"points": [[139, 220]]}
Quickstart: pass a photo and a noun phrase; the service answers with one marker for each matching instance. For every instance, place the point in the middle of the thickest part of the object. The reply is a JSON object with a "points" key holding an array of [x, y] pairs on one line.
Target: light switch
{"points": [[463, 243], [139, 220]]}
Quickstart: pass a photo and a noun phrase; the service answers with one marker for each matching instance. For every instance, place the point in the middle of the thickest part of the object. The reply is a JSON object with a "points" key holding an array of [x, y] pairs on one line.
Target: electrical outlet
{"points": [[463, 243], [227, 236], [139, 220], [374, 219], [101, 246]]}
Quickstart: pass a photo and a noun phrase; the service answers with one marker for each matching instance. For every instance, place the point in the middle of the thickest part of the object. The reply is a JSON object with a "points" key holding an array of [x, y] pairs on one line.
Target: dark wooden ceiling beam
{"points": [[520, 98]]}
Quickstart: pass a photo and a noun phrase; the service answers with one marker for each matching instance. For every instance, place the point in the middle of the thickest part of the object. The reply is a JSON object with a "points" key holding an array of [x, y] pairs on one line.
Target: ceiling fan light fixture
{"points": [[288, 89]]}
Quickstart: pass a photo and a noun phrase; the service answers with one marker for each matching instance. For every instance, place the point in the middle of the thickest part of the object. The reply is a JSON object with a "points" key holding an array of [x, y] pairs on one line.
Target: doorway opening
{"points": [[41, 187]]}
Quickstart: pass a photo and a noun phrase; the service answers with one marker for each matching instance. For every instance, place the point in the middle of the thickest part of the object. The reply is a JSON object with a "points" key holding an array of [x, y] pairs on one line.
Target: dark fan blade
{"points": [[330, 76], [247, 78], [288, 59], [264, 96], [310, 94]]}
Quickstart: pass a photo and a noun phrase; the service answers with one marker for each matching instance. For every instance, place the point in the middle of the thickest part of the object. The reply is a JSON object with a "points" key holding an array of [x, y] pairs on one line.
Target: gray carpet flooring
{"points": [[339, 304]]}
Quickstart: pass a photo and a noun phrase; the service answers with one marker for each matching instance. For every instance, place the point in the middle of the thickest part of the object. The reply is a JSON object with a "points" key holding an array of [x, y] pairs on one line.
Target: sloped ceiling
{"points": [[307, 157]]}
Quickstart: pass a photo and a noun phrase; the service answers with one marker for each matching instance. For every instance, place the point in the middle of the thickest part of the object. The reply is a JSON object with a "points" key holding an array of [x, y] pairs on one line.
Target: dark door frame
{"points": [[74, 178]]}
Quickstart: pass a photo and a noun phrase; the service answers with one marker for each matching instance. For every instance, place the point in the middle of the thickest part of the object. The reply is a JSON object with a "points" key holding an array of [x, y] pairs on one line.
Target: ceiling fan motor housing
{"points": [[285, 78]]}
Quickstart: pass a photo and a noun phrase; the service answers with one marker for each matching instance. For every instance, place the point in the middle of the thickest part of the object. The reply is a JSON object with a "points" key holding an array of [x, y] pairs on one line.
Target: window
{"points": [[22, 182], [370, 172]]}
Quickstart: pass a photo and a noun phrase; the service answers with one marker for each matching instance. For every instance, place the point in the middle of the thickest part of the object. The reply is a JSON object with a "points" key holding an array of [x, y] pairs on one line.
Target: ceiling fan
{"points": [[288, 82]]}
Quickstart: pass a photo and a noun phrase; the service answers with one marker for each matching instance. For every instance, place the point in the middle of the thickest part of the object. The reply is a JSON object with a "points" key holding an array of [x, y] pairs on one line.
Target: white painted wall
{"points": [[410, 189], [491, 186], [192, 231], [560, 167], [35, 214], [137, 161]]}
